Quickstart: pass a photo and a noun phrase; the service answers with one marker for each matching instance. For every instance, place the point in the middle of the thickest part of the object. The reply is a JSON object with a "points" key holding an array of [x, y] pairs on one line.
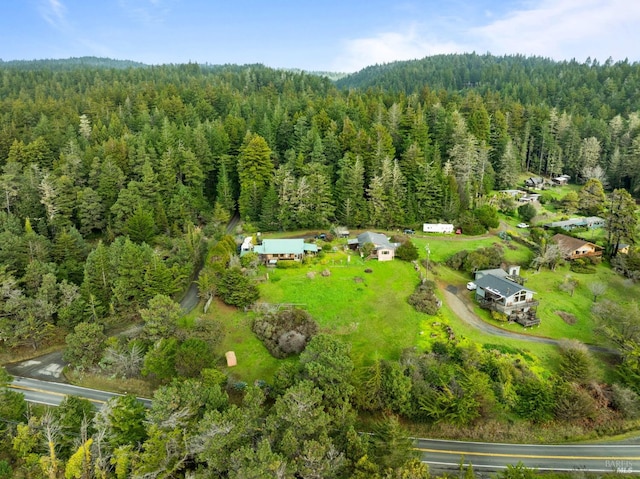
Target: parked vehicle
{"points": [[408, 231], [471, 286], [523, 225]]}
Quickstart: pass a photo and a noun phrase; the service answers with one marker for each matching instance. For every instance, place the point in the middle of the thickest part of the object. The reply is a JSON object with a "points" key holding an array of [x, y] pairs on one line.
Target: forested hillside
{"points": [[589, 88], [136, 157], [114, 176]]}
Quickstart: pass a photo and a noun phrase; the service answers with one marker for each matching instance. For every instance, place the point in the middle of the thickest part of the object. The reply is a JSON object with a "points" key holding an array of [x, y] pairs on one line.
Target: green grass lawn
{"points": [[368, 310]]}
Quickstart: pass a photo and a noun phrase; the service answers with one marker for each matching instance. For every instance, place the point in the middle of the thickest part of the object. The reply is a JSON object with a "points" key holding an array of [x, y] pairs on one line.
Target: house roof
{"points": [[285, 246], [570, 243], [577, 222], [378, 240], [503, 286], [499, 272], [536, 180]]}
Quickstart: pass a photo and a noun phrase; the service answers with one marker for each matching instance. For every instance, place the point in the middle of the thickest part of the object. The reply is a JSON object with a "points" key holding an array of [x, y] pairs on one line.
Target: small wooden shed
{"points": [[231, 358]]}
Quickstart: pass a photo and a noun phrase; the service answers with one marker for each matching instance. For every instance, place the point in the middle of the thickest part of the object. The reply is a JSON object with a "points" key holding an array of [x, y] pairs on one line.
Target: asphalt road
{"points": [[439, 454], [191, 297], [52, 393], [601, 458]]}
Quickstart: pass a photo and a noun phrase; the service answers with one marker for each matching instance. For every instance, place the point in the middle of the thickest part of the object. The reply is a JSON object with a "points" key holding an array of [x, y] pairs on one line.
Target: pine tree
{"points": [[254, 169], [351, 205]]}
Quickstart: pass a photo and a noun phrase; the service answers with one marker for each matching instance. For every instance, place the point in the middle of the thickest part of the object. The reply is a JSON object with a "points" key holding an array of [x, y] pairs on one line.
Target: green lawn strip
{"points": [[443, 247]]}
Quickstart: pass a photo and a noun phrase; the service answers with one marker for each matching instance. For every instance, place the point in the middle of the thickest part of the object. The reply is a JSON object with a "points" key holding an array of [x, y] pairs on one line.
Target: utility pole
{"points": [[428, 255]]}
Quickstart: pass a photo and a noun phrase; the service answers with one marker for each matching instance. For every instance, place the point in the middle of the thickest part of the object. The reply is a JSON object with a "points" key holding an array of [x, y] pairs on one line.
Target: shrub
{"points": [[527, 212], [424, 299], [498, 316], [236, 289], [583, 266], [576, 363], [535, 399], [487, 215], [286, 332], [573, 402], [625, 401], [471, 226], [482, 258], [407, 251], [192, 356], [287, 264]]}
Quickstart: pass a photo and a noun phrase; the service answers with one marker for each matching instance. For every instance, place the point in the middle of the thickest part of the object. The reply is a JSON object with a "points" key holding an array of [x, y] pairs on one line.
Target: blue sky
{"points": [[324, 35]]}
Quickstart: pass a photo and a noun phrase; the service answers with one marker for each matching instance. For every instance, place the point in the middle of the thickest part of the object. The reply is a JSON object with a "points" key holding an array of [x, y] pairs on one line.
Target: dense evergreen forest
{"points": [[114, 175]]}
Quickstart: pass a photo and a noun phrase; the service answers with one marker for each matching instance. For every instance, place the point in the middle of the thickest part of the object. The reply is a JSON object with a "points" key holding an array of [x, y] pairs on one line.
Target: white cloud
{"points": [[565, 29], [53, 12], [391, 46], [559, 29], [148, 12]]}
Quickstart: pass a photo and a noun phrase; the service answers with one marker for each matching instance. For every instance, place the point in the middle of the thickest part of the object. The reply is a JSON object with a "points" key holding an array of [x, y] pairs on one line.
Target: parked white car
{"points": [[523, 225], [471, 286]]}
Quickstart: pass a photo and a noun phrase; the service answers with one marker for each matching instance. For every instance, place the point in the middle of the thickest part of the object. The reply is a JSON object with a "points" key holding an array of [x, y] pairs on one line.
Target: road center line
{"points": [[530, 456]]}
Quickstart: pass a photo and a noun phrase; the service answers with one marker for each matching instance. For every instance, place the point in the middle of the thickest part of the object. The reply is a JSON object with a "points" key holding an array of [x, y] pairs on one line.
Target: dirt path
{"points": [[462, 307]]}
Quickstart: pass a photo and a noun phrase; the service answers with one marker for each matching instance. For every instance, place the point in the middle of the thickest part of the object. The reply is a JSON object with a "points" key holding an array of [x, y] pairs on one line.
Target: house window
{"points": [[520, 297], [384, 251]]}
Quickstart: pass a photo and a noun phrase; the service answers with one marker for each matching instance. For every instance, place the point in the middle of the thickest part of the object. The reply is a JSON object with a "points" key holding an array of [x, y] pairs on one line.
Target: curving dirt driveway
{"points": [[461, 306]]}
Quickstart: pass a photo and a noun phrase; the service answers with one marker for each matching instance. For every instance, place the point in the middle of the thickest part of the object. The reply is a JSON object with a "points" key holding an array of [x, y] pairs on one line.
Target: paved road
{"points": [[191, 297], [52, 393], [493, 457]]}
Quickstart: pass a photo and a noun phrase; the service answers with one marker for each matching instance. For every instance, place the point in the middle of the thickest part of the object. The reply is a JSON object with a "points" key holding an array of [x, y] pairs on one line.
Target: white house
{"points": [[496, 291], [383, 249], [437, 228]]}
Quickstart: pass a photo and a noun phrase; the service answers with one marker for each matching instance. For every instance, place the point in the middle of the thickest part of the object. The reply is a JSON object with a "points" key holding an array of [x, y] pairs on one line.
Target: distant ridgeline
{"points": [[67, 63], [526, 79]]}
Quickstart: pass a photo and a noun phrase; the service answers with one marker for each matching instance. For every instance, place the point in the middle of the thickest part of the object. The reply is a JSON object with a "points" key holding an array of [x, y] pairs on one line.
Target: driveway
{"points": [[46, 368], [461, 304]]}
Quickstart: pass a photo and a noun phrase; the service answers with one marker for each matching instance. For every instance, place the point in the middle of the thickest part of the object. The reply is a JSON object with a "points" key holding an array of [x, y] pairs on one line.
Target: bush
{"points": [[625, 401], [192, 356], [424, 299], [576, 363], [286, 332], [573, 402], [482, 258], [471, 226], [288, 264], [236, 289], [527, 212], [487, 215], [407, 251], [582, 265]]}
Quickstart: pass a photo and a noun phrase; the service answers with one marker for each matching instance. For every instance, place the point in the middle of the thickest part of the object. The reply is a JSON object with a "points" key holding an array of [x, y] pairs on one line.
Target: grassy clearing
{"points": [[368, 310]]}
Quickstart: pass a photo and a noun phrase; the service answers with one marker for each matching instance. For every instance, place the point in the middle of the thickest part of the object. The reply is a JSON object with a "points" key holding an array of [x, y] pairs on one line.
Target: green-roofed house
{"points": [[273, 250]]}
